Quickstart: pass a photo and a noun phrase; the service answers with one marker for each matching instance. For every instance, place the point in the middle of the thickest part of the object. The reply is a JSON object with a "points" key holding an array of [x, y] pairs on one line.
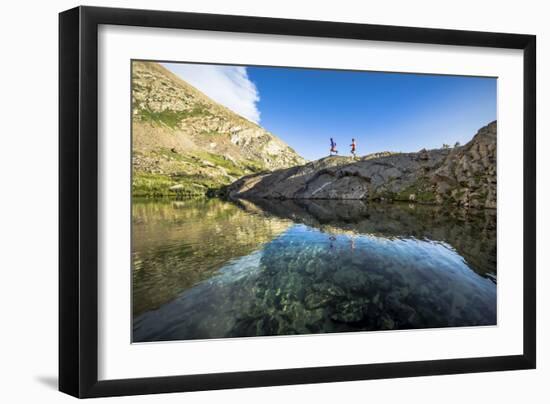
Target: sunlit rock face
{"points": [[460, 176], [181, 138]]}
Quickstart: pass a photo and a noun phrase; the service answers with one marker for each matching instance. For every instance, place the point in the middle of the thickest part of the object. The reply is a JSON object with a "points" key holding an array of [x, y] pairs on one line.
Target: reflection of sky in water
{"points": [[404, 254], [310, 281]]}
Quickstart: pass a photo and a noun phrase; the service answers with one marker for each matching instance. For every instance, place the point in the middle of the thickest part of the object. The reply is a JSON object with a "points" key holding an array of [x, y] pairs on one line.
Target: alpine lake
{"points": [[211, 268]]}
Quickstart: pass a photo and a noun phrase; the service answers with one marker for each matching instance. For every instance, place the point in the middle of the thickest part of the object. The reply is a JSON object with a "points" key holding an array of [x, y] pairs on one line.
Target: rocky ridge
{"points": [[461, 176]]}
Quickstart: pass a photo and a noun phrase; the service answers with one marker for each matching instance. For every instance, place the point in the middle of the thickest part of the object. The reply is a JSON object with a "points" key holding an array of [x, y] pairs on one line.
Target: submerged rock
{"points": [[349, 311], [316, 300], [352, 279]]}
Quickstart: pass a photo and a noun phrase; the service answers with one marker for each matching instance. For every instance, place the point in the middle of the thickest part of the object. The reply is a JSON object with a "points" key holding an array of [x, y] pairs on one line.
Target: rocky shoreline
{"points": [[461, 176]]}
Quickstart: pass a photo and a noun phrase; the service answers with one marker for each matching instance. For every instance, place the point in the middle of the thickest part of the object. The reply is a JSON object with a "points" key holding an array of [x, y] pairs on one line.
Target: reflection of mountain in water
{"points": [[175, 245], [342, 267]]}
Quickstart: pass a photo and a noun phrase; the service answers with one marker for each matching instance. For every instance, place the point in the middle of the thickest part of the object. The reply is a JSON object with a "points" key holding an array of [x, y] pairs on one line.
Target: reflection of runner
{"points": [[332, 238], [352, 243], [333, 147], [353, 147]]}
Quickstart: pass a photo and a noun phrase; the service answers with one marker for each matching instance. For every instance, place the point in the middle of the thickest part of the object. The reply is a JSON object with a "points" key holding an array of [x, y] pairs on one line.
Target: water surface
{"points": [[209, 268]]}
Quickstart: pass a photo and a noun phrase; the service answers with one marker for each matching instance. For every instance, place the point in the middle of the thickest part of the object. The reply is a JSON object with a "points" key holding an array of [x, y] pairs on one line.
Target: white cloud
{"points": [[228, 85]]}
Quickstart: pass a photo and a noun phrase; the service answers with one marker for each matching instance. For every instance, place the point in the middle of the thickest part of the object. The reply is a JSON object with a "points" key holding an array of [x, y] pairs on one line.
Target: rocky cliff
{"points": [[184, 141], [462, 176]]}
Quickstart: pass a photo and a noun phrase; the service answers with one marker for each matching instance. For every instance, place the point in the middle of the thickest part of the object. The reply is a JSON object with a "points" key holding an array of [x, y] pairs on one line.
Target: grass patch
{"points": [[169, 117], [156, 185], [195, 173], [254, 166], [151, 185], [168, 153], [233, 169], [422, 191]]}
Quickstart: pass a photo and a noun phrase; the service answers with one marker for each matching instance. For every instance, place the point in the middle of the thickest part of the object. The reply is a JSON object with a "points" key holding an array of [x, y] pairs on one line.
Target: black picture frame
{"points": [[78, 201]]}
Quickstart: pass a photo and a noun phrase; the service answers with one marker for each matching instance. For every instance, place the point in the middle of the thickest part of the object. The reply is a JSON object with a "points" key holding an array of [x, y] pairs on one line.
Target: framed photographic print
{"points": [[251, 201]]}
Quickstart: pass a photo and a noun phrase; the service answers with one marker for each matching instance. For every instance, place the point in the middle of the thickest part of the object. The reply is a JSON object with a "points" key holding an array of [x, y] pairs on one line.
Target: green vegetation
{"points": [[422, 191], [221, 161], [157, 185], [171, 118], [382, 195], [197, 174], [177, 130], [254, 166], [151, 185], [426, 196]]}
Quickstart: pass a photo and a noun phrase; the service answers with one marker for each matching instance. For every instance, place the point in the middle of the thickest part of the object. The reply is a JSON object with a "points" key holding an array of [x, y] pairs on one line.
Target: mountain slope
{"points": [[464, 176], [183, 140]]}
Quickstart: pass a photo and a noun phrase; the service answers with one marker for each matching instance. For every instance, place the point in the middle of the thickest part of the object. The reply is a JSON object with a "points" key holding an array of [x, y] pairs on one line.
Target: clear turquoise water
{"points": [[284, 268]]}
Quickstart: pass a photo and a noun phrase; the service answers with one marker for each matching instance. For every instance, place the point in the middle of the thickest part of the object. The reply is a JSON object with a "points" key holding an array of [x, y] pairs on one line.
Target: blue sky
{"points": [[382, 111]]}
